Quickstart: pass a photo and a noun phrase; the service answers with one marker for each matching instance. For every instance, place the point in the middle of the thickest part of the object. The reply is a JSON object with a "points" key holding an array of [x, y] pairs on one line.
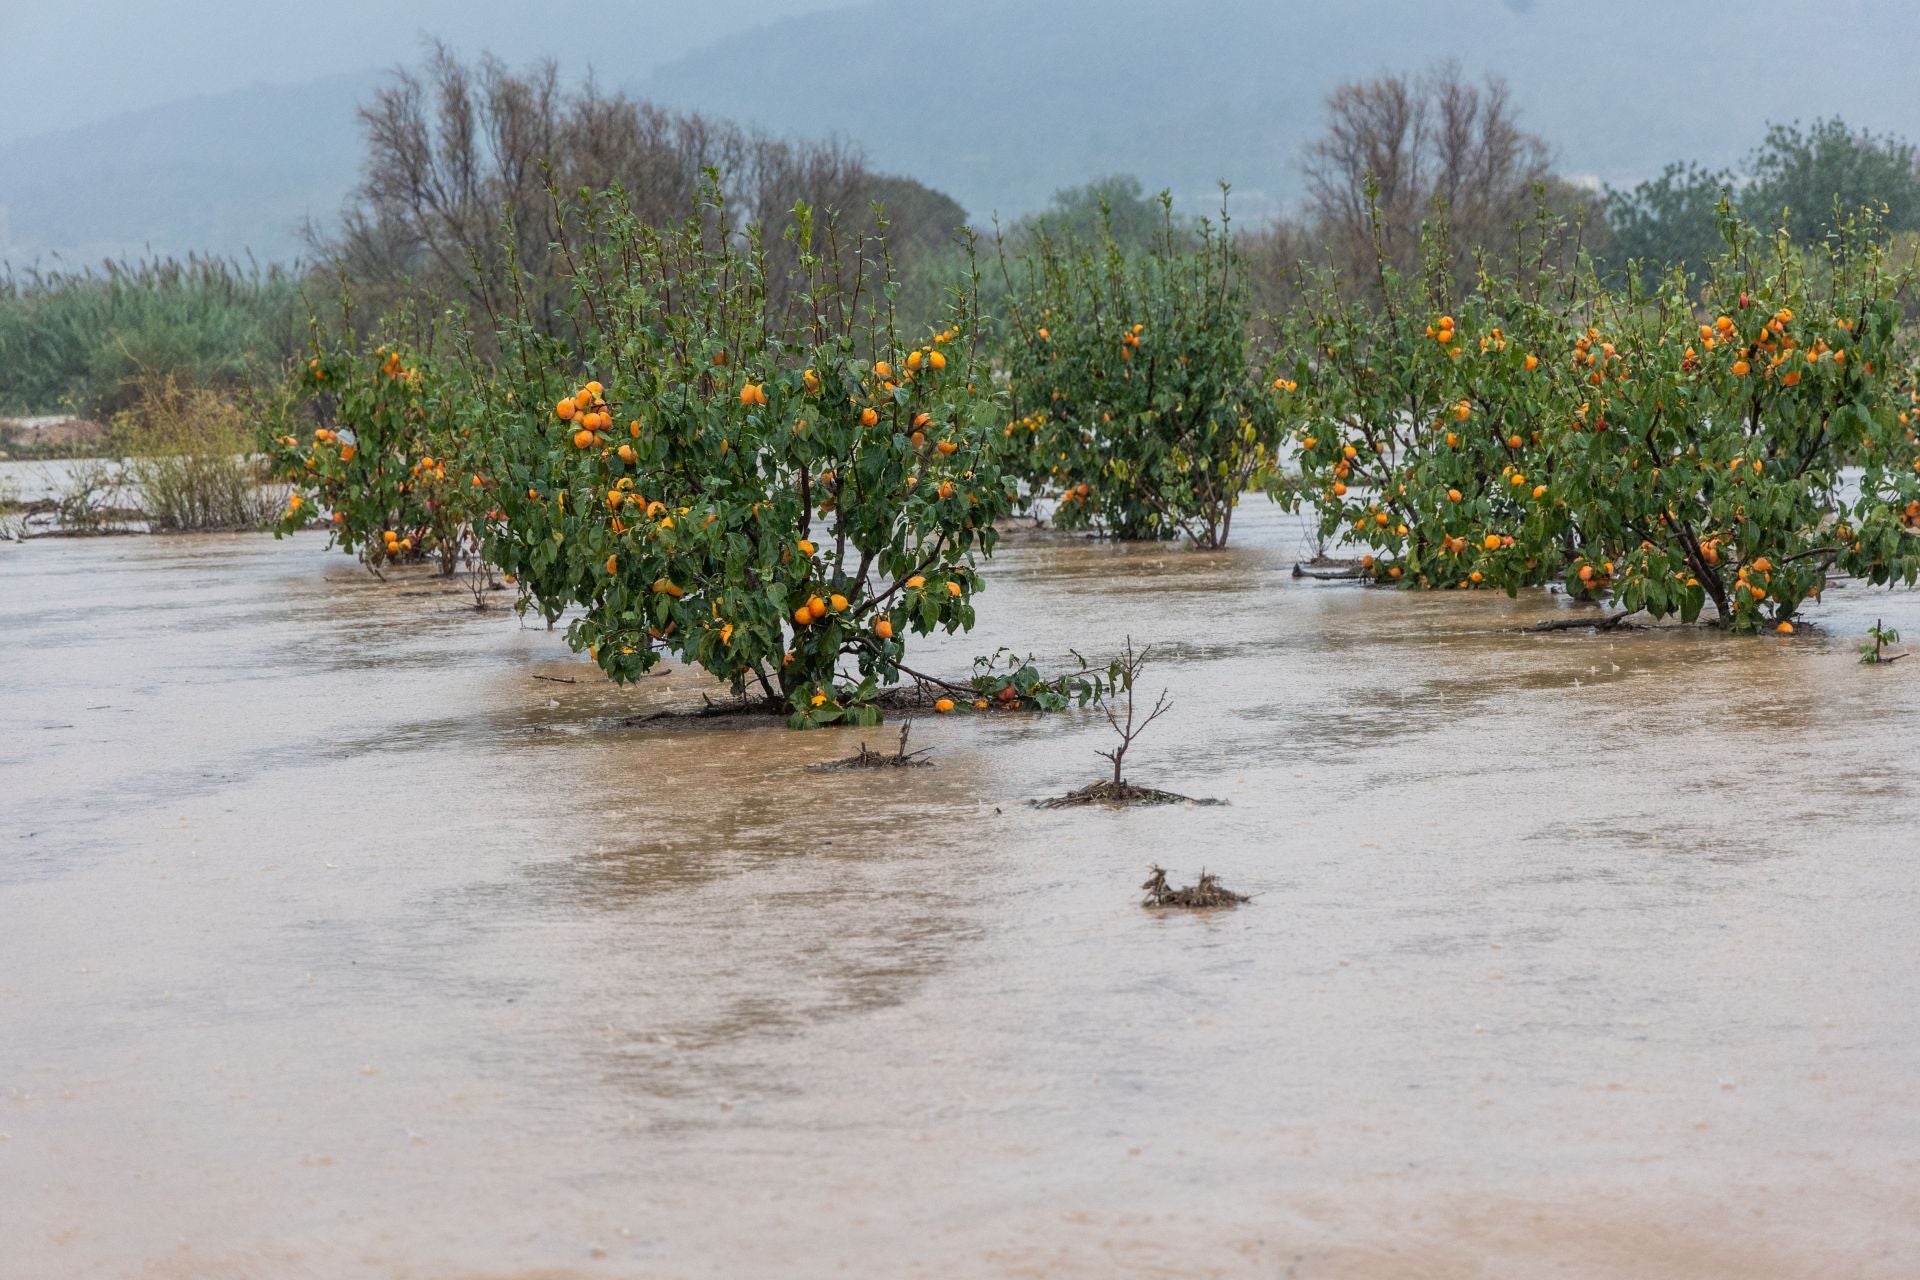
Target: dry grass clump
{"points": [[190, 454]]}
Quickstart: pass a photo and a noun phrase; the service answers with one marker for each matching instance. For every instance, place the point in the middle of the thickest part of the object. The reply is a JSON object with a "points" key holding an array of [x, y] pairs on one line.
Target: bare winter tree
{"points": [[1412, 148], [1376, 134], [1274, 256], [461, 157]]}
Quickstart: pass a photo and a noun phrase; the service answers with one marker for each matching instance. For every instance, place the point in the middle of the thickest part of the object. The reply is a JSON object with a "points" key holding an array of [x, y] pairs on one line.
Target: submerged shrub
{"points": [[1668, 449], [88, 495], [1431, 421], [1705, 463], [385, 462], [1135, 400], [779, 494], [13, 523]]}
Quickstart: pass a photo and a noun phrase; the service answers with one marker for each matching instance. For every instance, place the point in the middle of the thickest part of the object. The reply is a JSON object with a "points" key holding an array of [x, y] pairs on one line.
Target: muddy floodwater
{"points": [[333, 943]]}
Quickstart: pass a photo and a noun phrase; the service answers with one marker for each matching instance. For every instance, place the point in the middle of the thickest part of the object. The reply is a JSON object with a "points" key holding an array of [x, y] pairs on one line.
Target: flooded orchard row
{"points": [[335, 943]]}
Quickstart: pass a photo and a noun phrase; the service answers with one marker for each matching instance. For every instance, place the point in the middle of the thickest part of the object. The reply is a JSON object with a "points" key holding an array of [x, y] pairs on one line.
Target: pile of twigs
{"points": [[1208, 893], [1117, 793], [871, 759]]}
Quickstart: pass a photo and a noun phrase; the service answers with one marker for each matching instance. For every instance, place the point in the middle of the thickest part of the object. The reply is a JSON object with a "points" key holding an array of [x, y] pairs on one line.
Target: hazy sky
{"points": [[996, 102], [72, 62]]}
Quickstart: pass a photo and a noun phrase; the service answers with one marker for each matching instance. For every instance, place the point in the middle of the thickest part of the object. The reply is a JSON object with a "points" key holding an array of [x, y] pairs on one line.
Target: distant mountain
{"points": [[240, 165], [1001, 102], [224, 174], [73, 63]]}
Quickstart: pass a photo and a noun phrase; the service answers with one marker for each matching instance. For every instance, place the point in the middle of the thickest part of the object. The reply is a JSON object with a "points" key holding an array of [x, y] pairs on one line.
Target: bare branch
{"points": [[453, 148], [1130, 663]]}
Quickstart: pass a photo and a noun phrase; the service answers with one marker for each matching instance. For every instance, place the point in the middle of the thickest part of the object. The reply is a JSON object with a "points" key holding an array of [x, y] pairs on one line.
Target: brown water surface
{"points": [[334, 944]]}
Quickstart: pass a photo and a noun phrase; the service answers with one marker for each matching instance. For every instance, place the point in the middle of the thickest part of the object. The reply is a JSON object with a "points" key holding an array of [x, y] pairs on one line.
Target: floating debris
{"points": [[871, 759], [1208, 893], [1118, 793]]}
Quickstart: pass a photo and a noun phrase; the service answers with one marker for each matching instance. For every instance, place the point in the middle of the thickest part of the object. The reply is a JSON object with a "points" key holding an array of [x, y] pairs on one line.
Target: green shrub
{"points": [[1432, 421], [1135, 401], [387, 460], [1708, 467], [776, 494], [1669, 449]]}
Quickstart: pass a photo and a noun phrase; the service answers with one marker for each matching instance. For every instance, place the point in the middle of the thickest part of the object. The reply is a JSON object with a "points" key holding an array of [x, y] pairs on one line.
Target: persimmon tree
{"points": [[1428, 418], [1136, 401], [379, 454], [780, 494], [1708, 465], [1670, 449]]}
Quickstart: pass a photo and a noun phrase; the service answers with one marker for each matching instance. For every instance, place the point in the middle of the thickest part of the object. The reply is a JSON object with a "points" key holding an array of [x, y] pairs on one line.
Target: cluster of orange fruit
{"points": [[1754, 579], [1595, 578], [1518, 479], [1772, 341], [917, 359], [1032, 422], [397, 546], [1441, 331], [946, 705], [323, 438], [916, 583], [817, 608], [1583, 357], [588, 412], [621, 496], [1711, 336], [1380, 518]]}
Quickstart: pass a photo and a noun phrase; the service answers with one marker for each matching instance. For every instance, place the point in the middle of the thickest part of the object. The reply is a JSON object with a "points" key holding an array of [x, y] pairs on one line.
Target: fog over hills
{"points": [[228, 173], [221, 125], [998, 102], [1003, 101], [73, 62]]}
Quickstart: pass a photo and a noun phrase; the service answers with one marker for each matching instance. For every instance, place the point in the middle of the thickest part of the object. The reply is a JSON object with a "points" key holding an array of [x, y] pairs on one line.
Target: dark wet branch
{"points": [[1606, 622]]}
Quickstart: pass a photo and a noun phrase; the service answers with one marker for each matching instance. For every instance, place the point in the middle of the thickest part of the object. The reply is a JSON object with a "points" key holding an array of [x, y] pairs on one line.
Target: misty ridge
{"points": [[1028, 101]]}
